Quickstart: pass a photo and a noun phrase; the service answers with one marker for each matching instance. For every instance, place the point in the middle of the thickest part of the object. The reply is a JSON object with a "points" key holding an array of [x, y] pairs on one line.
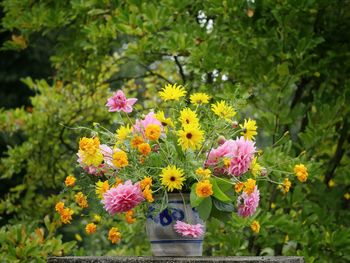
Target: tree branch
{"points": [[180, 69]]}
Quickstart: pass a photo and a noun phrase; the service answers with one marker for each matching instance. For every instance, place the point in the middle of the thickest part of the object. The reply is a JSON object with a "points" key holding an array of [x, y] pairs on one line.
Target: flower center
{"points": [[189, 135], [172, 178]]}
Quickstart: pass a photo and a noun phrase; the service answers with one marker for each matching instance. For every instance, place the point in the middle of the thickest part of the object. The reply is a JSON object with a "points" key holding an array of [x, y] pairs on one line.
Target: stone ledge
{"points": [[176, 259]]}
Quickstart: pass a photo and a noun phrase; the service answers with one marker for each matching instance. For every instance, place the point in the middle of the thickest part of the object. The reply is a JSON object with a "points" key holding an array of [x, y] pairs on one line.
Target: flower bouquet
{"points": [[179, 165]]}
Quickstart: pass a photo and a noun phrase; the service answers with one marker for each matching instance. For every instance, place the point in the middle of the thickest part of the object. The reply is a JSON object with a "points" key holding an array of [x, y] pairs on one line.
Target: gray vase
{"points": [[164, 240]]}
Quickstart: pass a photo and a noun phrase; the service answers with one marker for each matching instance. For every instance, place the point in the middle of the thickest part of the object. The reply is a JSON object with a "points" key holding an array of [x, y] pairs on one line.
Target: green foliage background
{"points": [[284, 62]]}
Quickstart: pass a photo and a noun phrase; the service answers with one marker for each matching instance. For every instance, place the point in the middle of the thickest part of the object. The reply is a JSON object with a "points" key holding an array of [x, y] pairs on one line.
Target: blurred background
{"points": [[284, 63]]}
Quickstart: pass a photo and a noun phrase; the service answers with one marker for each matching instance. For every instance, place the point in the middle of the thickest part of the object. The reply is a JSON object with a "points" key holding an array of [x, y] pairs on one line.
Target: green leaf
{"points": [[204, 208], [220, 215], [283, 69], [223, 206], [218, 193], [194, 199]]}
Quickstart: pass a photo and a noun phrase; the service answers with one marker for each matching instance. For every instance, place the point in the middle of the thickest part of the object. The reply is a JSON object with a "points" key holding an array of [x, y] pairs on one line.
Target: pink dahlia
{"points": [[224, 150], [122, 198], [188, 230], [118, 102], [242, 155], [141, 125], [247, 204]]}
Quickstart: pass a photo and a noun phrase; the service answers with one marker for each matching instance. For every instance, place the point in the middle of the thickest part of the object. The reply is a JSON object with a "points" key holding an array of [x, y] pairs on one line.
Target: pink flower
{"points": [[141, 125], [241, 155], [222, 151], [247, 204], [122, 198], [118, 102], [188, 230]]}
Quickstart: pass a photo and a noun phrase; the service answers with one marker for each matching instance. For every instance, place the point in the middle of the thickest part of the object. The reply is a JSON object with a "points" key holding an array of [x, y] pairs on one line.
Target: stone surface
{"points": [[175, 259]]}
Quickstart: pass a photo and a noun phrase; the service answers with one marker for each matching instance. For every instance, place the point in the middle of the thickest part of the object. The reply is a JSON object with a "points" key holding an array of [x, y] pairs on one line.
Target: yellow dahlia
{"points": [[120, 159], [204, 188]]}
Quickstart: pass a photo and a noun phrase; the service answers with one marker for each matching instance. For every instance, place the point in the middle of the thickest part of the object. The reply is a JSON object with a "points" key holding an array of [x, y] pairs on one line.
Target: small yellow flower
{"points": [[347, 196], [89, 151], [90, 228], [286, 185], [144, 149], [188, 117], [78, 237], [172, 92], [101, 188], [120, 159], [255, 226], [203, 173], [136, 141], [249, 186], [223, 110], [273, 206], [199, 98], [147, 194], [146, 181], [59, 207], [129, 217], [239, 187], [152, 132], [172, 178], [191, 137], [255, 167], [66, 215], [123, 132], [97, 218], [70, 181], [249, 129], [331, 183], [204, 188], [301, 172], [81, 200], [114, 235], [227, 162], [166, 122]]}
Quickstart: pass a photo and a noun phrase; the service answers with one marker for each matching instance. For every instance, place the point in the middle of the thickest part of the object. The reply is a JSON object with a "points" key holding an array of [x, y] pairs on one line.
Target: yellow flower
{"points": [[166, 122], [70, 181], [188, 117], [152, 132], [239, 187], [347, 196], [331, 183], [123, 133], [81, 200], [172, 178], [144, 148], [227, 162], [147, 194], [136, 141], [273, 206], [191, 137], [146, 181], [59, 207], [255, 226], [129, 217], [78, 237], [97, 218], [120, 159], [204, 188], [114, 235], [118, 181], [286, 185], [89, 151], [66, 215], [90, 228], [199, 98], [249, 129], [301, 172], [255, 167], [203, 173], [172, 92], [223, 110], [101, 188], [249, 186]]}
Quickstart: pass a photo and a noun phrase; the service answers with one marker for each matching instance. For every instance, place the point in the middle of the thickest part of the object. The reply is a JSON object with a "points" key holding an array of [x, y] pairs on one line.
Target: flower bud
{"points": [[234, 124], [155, 148], [221, 140], [263, 171]]}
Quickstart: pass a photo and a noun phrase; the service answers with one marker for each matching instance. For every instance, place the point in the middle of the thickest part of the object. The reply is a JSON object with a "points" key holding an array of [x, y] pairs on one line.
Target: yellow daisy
{"points": [[122, 133], [249, 129], [166, 122], [101, 188], [191, 137], [199, 98], [255, 167], [188, 117], [172, 178], [223, 110], [172, 92]]}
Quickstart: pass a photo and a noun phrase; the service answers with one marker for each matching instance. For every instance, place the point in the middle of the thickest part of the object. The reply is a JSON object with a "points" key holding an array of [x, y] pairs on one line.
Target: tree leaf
{"points": [[204, 208]]}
